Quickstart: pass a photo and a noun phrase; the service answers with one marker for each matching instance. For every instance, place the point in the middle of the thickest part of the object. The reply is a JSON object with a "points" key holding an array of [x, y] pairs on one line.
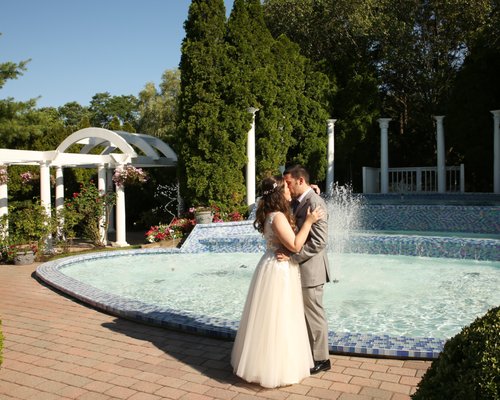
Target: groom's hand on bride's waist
{"points": [[282, 255]]}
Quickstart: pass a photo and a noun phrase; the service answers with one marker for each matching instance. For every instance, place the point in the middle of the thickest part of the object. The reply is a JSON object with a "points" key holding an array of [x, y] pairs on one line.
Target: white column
{"points": [[121, 229], [384, 155], [462, 178], [251, 159], [4, 205], [496, 151], [59, 200], [441, 162], [110, 188], [330, 174], [45, 195], [101, 187]]}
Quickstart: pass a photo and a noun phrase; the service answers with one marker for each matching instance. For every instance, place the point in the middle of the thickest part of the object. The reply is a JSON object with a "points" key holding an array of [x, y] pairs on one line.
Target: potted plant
{"points": [[22, 254], [202, 214]]}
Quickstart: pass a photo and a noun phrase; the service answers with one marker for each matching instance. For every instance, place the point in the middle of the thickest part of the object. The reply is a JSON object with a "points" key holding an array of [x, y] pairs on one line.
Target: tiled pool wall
{"points": [[241, 236], [465, 199], [434, 218], [228, 237]]}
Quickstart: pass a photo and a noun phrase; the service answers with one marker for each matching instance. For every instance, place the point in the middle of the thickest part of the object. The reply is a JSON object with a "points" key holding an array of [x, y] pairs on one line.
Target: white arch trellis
{"points": [[118, 150]]}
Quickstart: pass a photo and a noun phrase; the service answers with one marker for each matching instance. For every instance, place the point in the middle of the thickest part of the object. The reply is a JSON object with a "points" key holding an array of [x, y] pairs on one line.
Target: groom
{"points": [[313, 261]]}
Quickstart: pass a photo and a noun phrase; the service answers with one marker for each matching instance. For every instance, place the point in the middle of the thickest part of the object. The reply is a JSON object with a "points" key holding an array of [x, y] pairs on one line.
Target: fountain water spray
{"points": [[344, 217]]}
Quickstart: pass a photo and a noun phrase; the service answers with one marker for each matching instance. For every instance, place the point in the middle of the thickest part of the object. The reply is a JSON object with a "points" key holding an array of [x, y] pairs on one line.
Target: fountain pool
{"points": [[407, 296], [373, 309], [382, 305]]}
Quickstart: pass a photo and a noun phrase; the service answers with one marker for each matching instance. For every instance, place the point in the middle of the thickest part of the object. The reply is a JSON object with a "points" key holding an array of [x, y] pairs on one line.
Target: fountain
{"points": [[349, 233], [344, 208]]}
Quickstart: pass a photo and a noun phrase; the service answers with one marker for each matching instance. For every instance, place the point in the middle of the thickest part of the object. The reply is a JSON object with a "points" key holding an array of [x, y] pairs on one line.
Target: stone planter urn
{"points": [[24, 258], [203, 217]]}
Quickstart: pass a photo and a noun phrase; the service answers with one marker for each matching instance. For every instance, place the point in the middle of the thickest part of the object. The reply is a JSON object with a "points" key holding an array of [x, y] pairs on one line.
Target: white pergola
{"points": [[119, 149]]}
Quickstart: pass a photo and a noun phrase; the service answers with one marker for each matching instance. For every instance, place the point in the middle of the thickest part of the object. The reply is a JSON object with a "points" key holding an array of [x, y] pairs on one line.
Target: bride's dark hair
{"points": [[272, 190]]}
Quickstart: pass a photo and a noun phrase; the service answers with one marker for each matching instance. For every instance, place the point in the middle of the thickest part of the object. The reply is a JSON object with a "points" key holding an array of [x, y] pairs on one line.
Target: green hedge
{"points": [[468, 368]]}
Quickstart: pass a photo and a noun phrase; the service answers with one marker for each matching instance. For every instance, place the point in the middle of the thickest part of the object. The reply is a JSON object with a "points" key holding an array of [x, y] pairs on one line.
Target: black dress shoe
{"points": [[319, 366]]}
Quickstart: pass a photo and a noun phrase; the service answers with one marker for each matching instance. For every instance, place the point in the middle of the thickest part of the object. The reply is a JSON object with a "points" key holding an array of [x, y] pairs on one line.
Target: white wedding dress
{"points": [[272, 347]]}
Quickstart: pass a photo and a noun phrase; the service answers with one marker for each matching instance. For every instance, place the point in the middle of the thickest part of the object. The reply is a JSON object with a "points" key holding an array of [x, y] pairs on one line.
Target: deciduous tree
{"points": [[158, 109]]}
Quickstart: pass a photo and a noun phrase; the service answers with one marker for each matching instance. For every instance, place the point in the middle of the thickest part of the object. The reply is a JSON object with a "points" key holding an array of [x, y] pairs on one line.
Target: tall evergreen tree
{"points": [[310, 138], [211, 153], [254, 82], [333, 34], [273, 76]]}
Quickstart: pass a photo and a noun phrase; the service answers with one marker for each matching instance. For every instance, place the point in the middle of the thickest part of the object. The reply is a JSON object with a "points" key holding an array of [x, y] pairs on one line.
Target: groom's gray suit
{"points": [[314, 272]]}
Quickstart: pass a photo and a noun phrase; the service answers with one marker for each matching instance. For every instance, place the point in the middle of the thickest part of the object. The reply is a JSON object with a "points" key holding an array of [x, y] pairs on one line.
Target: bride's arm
{"points": [[286, 235]]}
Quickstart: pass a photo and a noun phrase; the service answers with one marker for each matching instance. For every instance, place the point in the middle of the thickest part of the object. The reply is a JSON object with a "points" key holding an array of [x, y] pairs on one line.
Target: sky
{"points": [[82, 47]]}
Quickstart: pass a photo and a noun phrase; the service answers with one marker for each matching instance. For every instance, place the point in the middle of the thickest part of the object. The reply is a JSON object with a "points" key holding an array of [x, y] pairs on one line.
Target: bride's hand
{"points": [[315, 215]]}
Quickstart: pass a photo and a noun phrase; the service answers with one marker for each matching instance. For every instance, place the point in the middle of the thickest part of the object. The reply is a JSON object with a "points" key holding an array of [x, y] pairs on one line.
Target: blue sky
{"points": [[82, 47]]}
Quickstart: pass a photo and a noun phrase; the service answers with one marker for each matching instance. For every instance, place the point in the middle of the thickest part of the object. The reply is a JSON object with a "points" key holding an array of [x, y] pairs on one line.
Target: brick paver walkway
{"points": [[57, 348]]}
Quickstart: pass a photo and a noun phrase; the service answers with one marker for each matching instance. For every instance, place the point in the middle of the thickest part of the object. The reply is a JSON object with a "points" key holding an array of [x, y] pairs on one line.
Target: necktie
{"points": [[295, 204]]}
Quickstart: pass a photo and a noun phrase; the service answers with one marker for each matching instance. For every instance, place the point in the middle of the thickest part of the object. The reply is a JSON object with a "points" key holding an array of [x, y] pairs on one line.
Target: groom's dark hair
{"points": [[296, 172]]}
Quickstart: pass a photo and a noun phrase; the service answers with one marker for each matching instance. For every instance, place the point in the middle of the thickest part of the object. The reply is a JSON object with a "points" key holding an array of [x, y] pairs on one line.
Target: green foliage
{"points": [[106, 110], [392, 58], [420, 46], [90, 209], [72, 114], [28, 223], [334, 37], [469, 366], [474, 94], [26, 228], [22, 126], [20, 190], [301, 62], [211, 145], [159, 109], [254, 83]]}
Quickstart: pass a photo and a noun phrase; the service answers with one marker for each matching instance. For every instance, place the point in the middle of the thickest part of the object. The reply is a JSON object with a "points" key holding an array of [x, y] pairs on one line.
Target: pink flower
{"points": [[26, 177]]}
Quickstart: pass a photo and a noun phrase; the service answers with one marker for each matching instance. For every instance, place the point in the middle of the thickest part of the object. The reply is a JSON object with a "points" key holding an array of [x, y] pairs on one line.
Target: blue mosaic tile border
{"points": [[344, 343]]}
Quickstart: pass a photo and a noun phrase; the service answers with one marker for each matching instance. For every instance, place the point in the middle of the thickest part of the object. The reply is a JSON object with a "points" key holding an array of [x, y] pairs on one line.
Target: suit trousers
{"points": [[317, 326]]}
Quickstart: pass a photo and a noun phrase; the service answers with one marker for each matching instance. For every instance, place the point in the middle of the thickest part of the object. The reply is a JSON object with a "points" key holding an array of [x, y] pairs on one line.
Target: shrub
{"points": [[25, 228], [468, 368], [28, 222], [89, 209]]}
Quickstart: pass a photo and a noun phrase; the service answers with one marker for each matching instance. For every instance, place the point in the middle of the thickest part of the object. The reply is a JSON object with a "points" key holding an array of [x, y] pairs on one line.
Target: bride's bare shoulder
{"points": [[279, 218]]}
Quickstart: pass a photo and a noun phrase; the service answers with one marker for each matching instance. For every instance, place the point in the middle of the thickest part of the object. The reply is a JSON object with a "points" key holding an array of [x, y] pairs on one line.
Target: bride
{"points": [[272, 346]]}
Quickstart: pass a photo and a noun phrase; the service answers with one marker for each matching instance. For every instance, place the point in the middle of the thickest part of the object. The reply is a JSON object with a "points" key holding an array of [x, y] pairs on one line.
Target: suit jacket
{"points": [[313, 258]]}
